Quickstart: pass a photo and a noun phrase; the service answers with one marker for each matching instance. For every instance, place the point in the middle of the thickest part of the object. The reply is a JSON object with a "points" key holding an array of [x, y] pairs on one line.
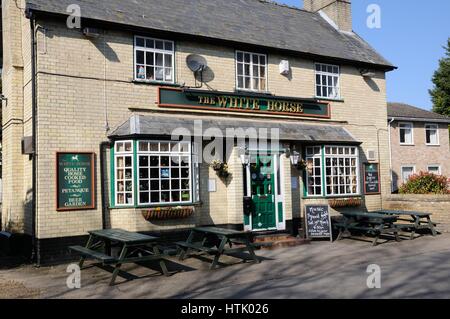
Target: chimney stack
{"points": [[339, 11]]}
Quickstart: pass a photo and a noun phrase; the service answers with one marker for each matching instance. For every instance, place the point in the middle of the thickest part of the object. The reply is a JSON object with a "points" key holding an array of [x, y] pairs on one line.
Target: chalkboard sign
{"points": [[371, 179], [318, 222], [75, 181]]}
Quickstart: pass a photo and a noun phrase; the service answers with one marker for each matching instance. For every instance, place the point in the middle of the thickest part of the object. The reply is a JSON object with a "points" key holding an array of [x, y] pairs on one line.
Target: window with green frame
{"points": [[332, 171], [154, 173]]}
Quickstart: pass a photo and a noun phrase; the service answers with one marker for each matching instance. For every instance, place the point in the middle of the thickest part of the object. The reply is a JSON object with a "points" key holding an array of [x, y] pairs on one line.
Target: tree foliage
{"points": [[440, 94]]}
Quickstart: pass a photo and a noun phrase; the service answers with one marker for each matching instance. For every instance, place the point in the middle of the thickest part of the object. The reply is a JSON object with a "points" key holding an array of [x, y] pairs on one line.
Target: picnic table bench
{"points": [[223, 237], [134, 248], [370, 223], [416, 220]]}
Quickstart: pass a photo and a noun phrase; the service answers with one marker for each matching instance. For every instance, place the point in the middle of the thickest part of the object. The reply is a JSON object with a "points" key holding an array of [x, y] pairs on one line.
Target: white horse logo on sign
{"points": [[75, 158]]}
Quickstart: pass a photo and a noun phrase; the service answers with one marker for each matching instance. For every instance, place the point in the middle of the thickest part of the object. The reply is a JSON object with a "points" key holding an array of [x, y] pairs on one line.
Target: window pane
{"points": [[140, 57], [240, 57], [159, 45], [168, 61], [149, 43], [140, 42], [262, 60], [159, 74], [168, 75], [159, 59], [168, 46], [150, 58], [240, 82], [140, 72]]}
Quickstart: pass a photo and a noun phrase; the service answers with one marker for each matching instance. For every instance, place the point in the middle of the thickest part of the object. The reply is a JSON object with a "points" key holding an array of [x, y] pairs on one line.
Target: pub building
{"points": [[112, 105]]}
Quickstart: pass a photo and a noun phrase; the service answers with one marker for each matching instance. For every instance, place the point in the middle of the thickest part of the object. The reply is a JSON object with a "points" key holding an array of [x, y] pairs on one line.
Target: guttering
{"points": [[420, 119]]}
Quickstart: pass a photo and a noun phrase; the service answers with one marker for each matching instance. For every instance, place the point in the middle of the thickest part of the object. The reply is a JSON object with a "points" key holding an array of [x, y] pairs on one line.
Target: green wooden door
{"points": [[263, 193]]}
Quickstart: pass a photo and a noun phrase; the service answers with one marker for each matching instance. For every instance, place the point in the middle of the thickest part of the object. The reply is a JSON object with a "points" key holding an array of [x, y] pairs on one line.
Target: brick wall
{"points": [[438, 205], [420, 155]]}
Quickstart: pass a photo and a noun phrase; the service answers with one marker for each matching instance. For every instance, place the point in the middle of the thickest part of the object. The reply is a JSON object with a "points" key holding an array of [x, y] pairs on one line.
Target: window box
{"points": [[168, 213], [345, 202]]}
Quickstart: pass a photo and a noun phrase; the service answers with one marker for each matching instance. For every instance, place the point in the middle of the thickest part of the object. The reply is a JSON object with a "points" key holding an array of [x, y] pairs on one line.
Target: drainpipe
{"points": [[35, 254], [103, 186], [390, 154]]}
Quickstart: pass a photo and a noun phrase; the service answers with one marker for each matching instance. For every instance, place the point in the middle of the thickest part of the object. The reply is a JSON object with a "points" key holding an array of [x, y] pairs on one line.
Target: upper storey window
{"points": [[154, 60], [327, 81], [251, 71]]}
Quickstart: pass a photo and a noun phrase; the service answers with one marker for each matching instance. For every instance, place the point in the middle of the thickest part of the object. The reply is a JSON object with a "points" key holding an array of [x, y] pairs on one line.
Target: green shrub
{"points": [[426, 183]]}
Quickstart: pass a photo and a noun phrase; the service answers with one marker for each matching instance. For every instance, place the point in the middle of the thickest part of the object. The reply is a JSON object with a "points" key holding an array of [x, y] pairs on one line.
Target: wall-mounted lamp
{"points": [[245, 159], [295, 158], [3, 98]]}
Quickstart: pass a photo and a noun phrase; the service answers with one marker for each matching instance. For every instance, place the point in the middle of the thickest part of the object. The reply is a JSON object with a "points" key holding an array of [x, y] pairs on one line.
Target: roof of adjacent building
{"points": [[254, 22], [406, 111], [159, 124]]}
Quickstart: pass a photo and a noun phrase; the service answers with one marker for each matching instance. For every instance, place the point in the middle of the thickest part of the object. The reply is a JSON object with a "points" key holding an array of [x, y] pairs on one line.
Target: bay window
{"points": [[164, 172], [156, 172], [124, 183], [342, 168], [314, 170], [332, 171]]}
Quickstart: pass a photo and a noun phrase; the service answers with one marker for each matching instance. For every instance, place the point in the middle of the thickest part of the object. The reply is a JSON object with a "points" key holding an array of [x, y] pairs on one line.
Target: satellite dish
{"points": [[196, 63]]}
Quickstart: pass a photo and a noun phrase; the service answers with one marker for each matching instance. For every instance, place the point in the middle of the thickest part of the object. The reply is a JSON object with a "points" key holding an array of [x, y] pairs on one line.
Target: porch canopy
{"points": [[166, 125]]}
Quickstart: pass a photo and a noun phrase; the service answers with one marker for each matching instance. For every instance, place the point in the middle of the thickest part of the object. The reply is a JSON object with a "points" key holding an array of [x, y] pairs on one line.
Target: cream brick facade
{"points": [[85, 85]]}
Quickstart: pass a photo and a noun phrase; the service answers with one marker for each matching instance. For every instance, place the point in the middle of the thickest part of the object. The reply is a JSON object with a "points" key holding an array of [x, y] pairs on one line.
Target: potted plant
{"points": [[221, 168]]}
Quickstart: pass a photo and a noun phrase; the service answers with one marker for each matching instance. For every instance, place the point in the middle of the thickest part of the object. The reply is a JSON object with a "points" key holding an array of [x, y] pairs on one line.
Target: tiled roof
{"points": [[254, 22], [288, 130], [402, 110]]}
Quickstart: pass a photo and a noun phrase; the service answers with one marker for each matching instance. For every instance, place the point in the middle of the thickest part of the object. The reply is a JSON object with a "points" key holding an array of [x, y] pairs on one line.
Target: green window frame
{"points": [[168, 170], [332, 171]]}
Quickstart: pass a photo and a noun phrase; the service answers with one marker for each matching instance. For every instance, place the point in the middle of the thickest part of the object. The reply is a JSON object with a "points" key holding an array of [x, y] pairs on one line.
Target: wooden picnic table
{"points": [[223, 241], [370, 223], [134, 248], [419, 220]]}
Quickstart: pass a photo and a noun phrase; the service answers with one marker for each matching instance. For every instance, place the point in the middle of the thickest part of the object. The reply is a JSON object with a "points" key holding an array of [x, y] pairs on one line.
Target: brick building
{"points": [[96, 104], [419, 142]]}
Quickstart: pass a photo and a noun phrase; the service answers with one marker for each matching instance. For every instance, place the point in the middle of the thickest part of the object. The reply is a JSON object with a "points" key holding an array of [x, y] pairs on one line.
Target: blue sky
{"points": [[412, 37]]}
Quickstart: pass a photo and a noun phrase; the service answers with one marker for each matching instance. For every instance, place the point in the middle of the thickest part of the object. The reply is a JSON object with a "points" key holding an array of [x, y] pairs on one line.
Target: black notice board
{"points": [[318, 221], [372, 179]]}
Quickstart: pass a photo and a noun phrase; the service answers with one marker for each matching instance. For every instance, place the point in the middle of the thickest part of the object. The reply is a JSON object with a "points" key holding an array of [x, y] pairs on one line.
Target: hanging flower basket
{"points": [[221, 168], [167, 213], [346, 202]]}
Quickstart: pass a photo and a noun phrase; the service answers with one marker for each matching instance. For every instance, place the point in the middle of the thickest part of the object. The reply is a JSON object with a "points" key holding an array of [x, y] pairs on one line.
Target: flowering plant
{"points": [[221, 168], [426, 183]]}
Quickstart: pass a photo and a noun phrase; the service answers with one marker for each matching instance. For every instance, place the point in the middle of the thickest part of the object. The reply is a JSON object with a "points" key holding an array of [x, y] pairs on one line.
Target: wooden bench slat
{"points": [[85, 252], [196, 246]]}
